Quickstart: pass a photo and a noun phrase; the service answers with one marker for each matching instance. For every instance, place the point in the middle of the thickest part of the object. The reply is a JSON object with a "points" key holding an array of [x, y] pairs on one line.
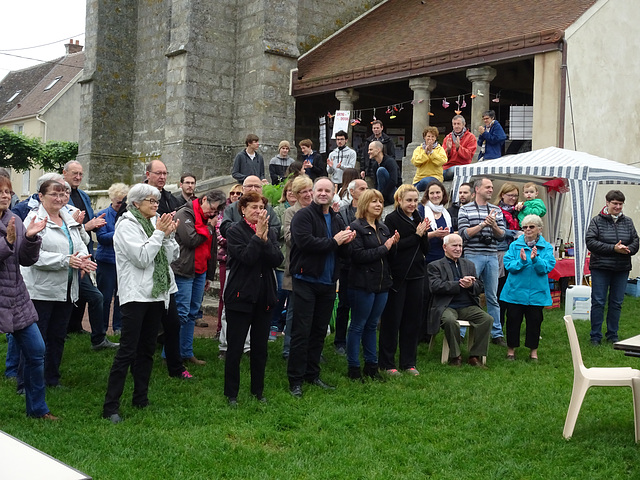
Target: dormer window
{"points": [[53, 82], [18, 92]]}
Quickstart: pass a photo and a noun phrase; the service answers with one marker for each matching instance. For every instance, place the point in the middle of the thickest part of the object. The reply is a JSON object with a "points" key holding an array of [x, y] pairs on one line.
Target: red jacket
{"points": [[464, 154]]}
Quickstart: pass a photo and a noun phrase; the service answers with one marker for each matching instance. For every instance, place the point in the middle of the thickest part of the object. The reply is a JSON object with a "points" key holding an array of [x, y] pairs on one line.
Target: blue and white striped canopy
{"points": [[583, 171]]}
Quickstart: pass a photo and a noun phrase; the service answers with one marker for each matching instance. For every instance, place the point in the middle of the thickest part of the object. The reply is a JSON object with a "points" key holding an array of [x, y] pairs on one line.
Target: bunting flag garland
{"points": [[393, 109]]}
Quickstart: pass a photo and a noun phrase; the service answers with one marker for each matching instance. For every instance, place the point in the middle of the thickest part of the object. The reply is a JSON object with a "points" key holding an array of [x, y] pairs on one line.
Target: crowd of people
{"points": [[399, 277]]}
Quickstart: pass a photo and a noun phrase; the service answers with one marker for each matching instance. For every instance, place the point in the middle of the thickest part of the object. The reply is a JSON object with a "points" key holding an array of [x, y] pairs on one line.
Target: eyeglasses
{"points": [[512, 195], [152, 201], [57, 195], [525, 227], [235, 193], [252, 187], [160, 174]]}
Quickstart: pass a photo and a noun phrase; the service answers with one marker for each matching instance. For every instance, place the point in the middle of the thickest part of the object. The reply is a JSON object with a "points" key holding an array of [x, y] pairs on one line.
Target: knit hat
{"points": [[283, 143]]}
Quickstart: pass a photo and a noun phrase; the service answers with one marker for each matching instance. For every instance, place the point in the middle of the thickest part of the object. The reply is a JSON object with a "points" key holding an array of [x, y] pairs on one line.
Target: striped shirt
{"points": [[473, 214]]}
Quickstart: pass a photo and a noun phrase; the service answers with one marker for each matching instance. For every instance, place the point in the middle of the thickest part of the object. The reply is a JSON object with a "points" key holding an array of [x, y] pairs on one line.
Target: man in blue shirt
{"points": [[317, 235]]}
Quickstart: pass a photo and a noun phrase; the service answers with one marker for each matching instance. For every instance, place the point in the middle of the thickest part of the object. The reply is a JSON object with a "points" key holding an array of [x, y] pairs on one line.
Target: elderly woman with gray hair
{"points": [[144, 246], [106, 279], [196, 267], [53, 281], [528, 261]]}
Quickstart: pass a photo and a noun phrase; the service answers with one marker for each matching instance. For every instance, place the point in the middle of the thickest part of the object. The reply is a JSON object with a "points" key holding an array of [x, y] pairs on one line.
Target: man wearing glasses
{"points": [[492, 137], [157, 177], [231, 214], [88, 293]]}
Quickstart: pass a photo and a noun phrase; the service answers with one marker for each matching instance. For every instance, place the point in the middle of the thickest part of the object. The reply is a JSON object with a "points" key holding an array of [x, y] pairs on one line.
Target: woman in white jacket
{"points": [[53, 281], [145, 247]]}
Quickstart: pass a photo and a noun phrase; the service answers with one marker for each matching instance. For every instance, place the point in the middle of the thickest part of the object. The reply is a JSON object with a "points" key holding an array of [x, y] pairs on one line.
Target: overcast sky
{"points": [[31, 23]]}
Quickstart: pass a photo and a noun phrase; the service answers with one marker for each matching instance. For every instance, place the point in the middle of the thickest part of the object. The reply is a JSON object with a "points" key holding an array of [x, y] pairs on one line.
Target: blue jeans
{"points": [[13, 358], [382, 178], [31, 346], [107, 283], [602, 282], [188, 302], [287, 328], [487, 270], [278, 317], [422, 184], [447, 174], [366, 309]]}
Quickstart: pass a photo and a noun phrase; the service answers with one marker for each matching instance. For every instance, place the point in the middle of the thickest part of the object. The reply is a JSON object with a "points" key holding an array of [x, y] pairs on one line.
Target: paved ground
{"points": [[210, 309]]}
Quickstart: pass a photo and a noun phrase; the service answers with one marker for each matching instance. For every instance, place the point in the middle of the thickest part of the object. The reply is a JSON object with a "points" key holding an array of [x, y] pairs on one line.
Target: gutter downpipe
{"points": [[563, 93], [44, 137]]}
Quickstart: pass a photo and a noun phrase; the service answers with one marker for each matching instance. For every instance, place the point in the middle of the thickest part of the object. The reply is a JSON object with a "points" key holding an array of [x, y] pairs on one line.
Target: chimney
{"points": [[73, 47]]}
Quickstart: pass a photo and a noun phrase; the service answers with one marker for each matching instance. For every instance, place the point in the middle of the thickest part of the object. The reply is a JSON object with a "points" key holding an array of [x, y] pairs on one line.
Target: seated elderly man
{"points": [[455, 290]]}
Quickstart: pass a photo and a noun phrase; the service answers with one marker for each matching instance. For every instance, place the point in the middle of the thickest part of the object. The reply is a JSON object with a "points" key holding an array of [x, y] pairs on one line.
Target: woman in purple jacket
{"points": [[17, 314]]}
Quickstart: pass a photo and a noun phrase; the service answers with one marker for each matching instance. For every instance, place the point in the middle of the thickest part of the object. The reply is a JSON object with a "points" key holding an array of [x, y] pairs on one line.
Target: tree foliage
{"points": [[56, 153], [18, 151], [21, 153]]}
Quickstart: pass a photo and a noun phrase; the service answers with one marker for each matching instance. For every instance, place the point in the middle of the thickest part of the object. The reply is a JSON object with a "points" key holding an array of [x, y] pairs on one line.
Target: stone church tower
{"points": [[185, 81]]}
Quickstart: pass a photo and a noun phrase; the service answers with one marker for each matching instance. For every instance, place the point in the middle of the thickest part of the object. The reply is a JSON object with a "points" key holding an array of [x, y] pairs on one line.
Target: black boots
{"points": [[371, 370], [354, 373]]}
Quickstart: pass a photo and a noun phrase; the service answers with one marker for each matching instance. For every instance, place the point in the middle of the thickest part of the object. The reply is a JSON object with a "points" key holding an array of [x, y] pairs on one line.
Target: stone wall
{"points": [[107, 97], [185, 82]]}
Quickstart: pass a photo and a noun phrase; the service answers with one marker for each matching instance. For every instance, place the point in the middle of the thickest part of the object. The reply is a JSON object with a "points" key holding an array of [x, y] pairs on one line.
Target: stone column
{"points": [[479, 78], [347, 98], [422, 88]]}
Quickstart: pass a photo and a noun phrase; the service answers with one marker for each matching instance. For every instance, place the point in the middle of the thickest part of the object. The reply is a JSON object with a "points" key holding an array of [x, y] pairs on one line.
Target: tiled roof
{"points": [[20, 80], [404, 38], [32, 83]]}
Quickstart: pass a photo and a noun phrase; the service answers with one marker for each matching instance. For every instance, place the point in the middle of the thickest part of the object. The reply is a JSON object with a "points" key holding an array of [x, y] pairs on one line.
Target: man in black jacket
{"points": [[465, 195], [386, 173], [317, 235], [157, 177], [612, 240], [313, 163], [157, 173], [367, 167]]}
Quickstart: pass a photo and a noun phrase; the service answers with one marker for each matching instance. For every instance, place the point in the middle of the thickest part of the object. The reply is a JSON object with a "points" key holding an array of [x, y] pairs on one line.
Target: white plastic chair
{"points": [[583, 378], [470, 334]]}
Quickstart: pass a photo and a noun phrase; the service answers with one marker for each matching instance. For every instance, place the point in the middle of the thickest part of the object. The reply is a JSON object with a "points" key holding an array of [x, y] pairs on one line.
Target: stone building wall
{"points": [[186, 81], [106, 114]]}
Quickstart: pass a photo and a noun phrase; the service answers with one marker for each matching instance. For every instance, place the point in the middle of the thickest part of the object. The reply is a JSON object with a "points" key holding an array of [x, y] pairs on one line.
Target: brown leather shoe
{"points": [[49, 416], [476, 362], [201, 323], [456, 362], [195, 361]]}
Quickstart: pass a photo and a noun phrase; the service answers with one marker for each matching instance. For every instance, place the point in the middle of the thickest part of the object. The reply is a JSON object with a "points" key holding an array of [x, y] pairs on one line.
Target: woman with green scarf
{"points": [[144, 245]]}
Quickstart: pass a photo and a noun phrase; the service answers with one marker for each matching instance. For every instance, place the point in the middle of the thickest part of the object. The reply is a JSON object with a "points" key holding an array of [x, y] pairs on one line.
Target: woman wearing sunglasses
{"points": [[528, 261]]}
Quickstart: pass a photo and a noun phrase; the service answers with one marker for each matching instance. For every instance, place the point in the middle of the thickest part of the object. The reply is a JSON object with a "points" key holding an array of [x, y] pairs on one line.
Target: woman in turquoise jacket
{"points": [[528, 261]]}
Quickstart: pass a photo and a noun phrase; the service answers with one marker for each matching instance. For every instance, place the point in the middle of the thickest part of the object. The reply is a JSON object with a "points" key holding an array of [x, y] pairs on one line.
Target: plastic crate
{"points": [[555, 298], [633, 287]]}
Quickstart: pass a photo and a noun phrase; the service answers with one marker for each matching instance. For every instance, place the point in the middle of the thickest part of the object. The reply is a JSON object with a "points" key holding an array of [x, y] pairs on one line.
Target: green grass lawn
{"points": [[503, 423]]}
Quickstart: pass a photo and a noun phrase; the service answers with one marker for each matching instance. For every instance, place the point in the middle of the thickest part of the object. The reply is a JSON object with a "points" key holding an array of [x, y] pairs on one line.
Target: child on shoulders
{"points": [[532, 204]]}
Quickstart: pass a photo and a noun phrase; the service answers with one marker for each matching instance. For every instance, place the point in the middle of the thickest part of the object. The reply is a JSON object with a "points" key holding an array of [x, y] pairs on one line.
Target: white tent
{"points": [[583, 172]]}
